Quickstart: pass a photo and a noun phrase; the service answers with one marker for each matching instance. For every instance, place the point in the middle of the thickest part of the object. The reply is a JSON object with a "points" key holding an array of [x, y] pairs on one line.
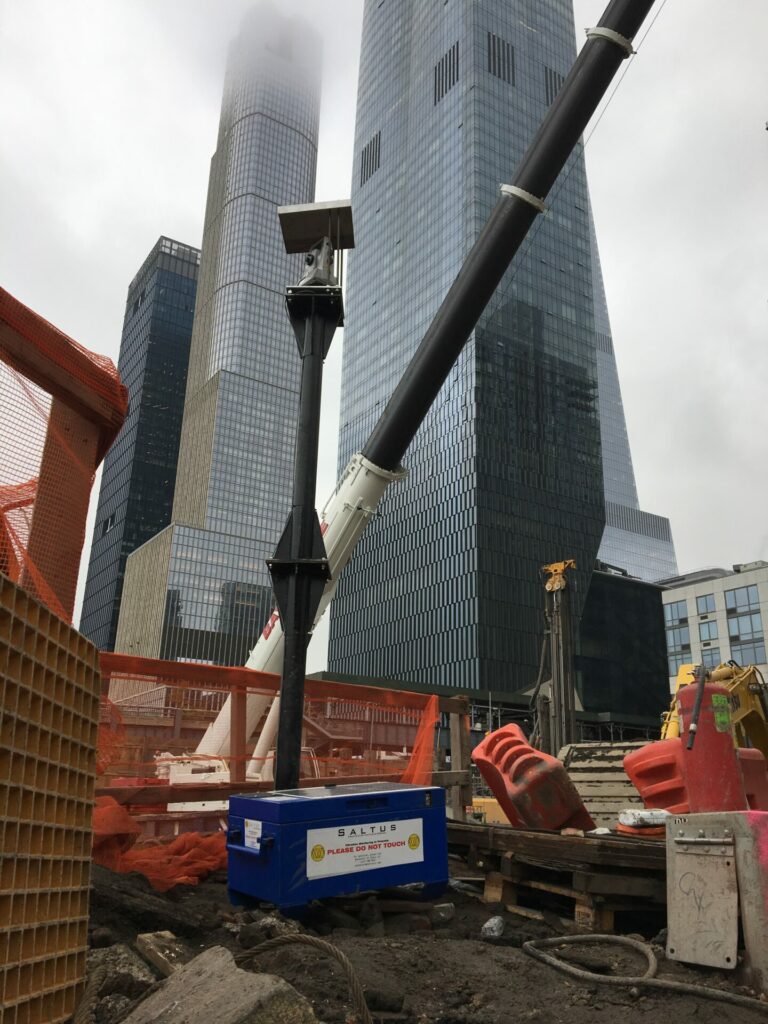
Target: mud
{"points": [[421, 965]]}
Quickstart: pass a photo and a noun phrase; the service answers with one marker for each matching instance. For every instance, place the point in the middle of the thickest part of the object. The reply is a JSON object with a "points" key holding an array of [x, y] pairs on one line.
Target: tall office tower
{"points": [[506, 473], [200, 590], [140, 469]]}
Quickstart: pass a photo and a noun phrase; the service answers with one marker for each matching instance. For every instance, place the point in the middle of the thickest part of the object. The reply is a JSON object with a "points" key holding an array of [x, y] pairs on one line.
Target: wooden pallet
{"points": [[545, 875], [591, 898]]}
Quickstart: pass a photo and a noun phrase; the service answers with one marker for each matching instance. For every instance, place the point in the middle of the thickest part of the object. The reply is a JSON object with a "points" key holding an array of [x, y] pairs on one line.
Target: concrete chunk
{"points": [[212, 988], [163, 950]]}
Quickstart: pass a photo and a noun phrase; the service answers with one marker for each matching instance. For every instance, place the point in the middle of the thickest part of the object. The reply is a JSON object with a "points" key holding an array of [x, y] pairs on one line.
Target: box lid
{"points": [[324, 802]]}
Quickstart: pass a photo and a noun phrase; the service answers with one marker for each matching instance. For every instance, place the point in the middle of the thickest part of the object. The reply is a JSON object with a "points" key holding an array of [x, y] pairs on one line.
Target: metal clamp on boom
{"points": [[527, 197], [614, 37]]}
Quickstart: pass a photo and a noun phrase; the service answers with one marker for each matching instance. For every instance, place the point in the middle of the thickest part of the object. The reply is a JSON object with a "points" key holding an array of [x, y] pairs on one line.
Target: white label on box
{"points": [[252, 834], [349, 848]]}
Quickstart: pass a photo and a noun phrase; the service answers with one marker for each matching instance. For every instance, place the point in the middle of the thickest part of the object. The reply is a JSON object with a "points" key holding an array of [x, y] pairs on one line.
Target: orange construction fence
{"points": [[154, 714], [61, 408]]}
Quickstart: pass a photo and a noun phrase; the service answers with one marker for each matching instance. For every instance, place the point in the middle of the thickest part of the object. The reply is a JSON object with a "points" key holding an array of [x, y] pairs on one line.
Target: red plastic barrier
{"points": [[658, 774], [532, 788], [713, 775]]}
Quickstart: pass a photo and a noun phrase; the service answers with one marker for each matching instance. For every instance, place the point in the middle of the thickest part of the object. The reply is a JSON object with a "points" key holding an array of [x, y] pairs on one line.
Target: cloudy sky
{"points": [[108, 118]]}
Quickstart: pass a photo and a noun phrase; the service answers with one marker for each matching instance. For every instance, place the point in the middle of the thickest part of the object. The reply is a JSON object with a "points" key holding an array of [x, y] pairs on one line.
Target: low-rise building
{"points": [[714, 616]]}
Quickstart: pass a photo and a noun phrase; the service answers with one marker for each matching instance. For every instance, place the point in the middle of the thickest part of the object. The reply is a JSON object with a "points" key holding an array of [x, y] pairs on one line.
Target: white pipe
{"points": [[346, 514], [265, 741]]}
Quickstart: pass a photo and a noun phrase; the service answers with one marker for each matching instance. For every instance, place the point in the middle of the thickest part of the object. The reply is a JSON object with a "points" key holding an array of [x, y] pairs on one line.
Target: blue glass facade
{"points": [[506, 473], [233, 489], [140, 469]]}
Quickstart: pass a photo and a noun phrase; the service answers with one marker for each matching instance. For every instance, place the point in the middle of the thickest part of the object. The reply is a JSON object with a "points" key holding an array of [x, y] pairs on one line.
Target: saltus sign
{"points": [[363, 847]]}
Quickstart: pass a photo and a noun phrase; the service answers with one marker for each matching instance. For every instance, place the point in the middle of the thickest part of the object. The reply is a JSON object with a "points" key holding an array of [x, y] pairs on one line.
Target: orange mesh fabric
{"points": [[114, 832], [184, 861], [419, 770], [60, 409], [111, 736]]}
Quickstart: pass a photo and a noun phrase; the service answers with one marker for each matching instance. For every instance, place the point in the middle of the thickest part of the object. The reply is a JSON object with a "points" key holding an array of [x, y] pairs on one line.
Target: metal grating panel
{"points": [[48, 728]]}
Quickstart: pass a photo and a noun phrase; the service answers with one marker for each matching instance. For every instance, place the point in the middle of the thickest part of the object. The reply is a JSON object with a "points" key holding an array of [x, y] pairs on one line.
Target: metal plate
{"points": [[702, 896]]}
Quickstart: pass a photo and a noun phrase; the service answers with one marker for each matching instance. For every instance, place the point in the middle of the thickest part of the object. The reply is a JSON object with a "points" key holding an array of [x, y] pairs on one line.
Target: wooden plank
{"points": [[195, 792], [605, 788], [594, 775], [453, 705], [446, 779], [237, 737], [606, 884], [460, 762], [624, 852]]}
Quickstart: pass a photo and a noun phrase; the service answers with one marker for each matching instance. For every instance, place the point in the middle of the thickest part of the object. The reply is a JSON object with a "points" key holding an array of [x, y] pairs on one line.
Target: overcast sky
{"points": [[108, 119]]}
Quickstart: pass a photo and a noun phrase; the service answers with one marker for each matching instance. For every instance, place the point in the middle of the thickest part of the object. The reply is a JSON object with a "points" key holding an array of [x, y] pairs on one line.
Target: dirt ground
{"points": [[416, 970]]}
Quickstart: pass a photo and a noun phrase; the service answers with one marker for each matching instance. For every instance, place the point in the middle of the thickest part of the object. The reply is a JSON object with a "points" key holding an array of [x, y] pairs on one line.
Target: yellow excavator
{"points": [[749, 703]]}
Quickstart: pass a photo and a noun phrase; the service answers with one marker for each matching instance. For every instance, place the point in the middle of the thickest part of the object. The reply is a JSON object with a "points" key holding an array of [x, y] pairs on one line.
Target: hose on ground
{"points": [[536, 947], [358, 996]]}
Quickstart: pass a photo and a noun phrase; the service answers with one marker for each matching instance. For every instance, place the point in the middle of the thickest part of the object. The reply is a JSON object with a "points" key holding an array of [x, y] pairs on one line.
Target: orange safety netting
{"points": [[350, 731], [60, 409], [158, 712], [184, 861]]}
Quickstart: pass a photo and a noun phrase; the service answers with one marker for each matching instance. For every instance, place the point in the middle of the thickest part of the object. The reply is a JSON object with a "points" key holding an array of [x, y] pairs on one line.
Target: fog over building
{"points": [[200, 589], [524, 458]]}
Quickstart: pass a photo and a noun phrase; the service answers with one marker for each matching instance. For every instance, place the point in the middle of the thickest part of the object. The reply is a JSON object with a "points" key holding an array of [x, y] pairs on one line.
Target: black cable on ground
{"points": [[536, 947], [358, 996]]}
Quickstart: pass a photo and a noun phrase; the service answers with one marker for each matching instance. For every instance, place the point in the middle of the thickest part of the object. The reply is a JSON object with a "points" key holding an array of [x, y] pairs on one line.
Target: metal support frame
{"points": [[299, 567]]}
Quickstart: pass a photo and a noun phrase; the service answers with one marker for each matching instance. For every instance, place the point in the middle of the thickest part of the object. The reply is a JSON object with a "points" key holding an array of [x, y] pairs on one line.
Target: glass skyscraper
{"points": [[200, 590], [140, 468], [523, 457]]}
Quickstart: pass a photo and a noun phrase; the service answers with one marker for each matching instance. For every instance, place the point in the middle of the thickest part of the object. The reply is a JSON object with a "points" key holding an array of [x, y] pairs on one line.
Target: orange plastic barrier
{"points": [[533, 788], [61, 407]]}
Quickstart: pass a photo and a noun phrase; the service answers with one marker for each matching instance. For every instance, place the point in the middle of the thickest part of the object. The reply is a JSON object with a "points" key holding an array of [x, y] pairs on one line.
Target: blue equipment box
{"points": [[293, 846]]}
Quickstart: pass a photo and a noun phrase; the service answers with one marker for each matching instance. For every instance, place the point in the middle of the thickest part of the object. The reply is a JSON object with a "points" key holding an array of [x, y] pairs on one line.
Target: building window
{"points": [[749, 653], [710, 658], [745, 627], [370, 158], [675, 661], [708, 630], [446, 73], [676, 612], [107, 524], [705, 604], [501, 58], [678, 639], [552, 84], [678, 646], [742, 599]]}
